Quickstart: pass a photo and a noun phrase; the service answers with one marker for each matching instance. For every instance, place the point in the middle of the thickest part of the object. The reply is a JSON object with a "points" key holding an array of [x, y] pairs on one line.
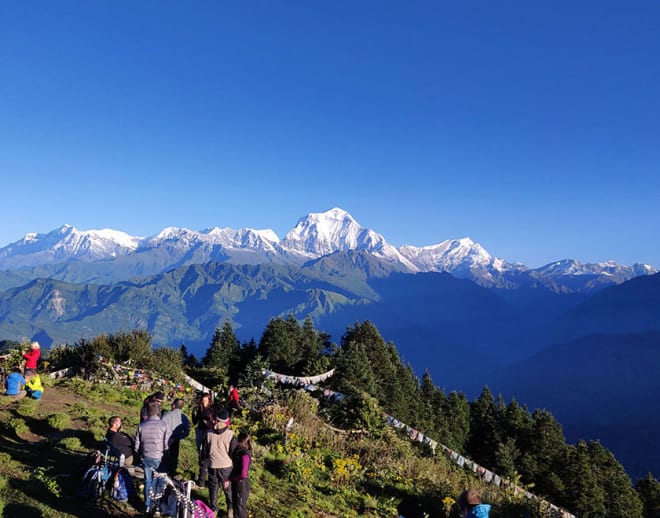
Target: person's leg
{"points": [[204, 473], [224, 474], [173, 458], [20, 395], [200, 437], [149, 466], [214, 484], [244, 493], [240, 493]]}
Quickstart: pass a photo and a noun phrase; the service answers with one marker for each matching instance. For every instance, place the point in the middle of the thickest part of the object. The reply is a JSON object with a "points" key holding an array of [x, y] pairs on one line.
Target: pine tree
{"points": [[311, 347], [621, 500], [648, 489], [457, 411], [223, 353], [279, 345], [189, 359], [582, 496], [405, 397], [427, 402], [353, 373], [547, 442], [484, 440]]}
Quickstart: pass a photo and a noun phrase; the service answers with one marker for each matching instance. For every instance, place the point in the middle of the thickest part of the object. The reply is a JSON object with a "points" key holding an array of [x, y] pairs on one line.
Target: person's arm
{"points": [[246, 465], [166, 438], [232, 445], [136, 441]]}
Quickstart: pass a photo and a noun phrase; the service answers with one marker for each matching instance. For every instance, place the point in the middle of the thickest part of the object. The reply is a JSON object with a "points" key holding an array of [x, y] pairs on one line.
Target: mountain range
{"points": [[110, 255], [469, 318]]}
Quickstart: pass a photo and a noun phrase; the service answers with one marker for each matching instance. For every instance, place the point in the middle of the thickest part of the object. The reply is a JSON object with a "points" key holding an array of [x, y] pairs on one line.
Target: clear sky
{"points": [[531, 127]]}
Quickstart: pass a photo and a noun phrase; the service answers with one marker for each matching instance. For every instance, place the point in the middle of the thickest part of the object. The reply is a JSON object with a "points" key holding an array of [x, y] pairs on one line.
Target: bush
{"points": [[59, 421], [72, 444]]}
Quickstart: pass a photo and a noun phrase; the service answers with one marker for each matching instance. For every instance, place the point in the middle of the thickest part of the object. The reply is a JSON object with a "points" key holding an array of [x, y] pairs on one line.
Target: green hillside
{"points": [[338, 459]]}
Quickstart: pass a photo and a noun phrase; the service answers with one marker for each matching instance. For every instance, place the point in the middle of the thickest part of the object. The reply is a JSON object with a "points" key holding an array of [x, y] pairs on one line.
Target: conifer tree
{"points": [[582, 495], [648, 489], [547, 442], [428, 403], [279, 345], [484, 439], [515, 424], [621, 500], [404, 394], [379, 356], [353, 370], [222, 354], [188, 359], [505, 458], [458, 416], [311, 346]]}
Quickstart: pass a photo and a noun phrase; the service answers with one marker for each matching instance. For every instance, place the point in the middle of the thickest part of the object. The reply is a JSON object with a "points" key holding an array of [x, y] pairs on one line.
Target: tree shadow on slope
{"points": [[22, 510], [65, 500], [41, 427]]}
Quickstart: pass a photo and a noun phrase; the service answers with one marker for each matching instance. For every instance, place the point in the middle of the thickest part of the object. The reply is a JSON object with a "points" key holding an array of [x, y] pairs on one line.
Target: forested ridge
{"points": [[525, 446]]}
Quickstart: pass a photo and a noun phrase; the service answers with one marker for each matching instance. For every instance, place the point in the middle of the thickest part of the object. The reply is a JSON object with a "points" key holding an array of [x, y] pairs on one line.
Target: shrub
{"points": [[18, 426], [72, 444], [59, 421], [48, 483], [27, 407]]}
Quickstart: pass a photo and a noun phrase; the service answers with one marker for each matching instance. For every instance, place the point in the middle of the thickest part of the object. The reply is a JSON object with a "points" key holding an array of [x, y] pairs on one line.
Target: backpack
{"points": [[202, 510], [122, 486]]}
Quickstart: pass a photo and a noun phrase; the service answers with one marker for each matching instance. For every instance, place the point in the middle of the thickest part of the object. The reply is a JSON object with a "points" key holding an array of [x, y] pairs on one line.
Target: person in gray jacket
{"points": [[179, 427], [151, 441]]}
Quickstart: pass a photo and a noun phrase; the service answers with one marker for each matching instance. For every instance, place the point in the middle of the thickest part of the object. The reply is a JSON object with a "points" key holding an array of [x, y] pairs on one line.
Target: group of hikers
{"points": [[223, 457], [24, 382]]}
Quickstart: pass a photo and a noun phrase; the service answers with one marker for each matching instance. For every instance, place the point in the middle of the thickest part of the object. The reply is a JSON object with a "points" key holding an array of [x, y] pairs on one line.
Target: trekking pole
{"points": [[188, 486]]}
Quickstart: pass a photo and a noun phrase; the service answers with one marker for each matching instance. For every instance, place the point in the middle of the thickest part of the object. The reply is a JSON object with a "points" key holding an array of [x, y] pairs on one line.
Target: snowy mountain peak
{"points": [[335, 230], [451, 255], [67, 244], [326, 232]]}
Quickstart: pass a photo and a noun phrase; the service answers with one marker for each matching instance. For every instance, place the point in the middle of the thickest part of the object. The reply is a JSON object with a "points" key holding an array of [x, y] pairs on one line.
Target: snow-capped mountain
{"points": [[591, 275], [335, 230], [463, 258], [573, 267], [314, 236], [67, 244]]}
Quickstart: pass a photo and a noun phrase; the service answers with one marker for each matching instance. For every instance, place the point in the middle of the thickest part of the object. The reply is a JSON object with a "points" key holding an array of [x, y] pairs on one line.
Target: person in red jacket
{"points": [[32, 357], [234, 400]]}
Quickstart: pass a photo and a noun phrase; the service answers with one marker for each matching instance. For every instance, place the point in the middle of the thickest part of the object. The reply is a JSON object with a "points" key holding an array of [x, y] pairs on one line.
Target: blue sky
{"points": [[532, 127]]}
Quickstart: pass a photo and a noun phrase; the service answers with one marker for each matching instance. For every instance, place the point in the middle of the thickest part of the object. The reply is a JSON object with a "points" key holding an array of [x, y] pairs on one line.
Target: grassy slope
{"points": [[314, 471]]}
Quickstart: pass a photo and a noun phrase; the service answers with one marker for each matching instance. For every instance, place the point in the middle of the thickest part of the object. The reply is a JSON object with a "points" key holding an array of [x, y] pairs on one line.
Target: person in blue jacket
{"points": [[471, 506], [15, 384]]}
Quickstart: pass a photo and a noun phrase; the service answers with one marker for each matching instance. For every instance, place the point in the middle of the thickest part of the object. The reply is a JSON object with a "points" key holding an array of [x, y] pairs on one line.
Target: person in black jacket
{"points": [[121, 442], [202, 419]]}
